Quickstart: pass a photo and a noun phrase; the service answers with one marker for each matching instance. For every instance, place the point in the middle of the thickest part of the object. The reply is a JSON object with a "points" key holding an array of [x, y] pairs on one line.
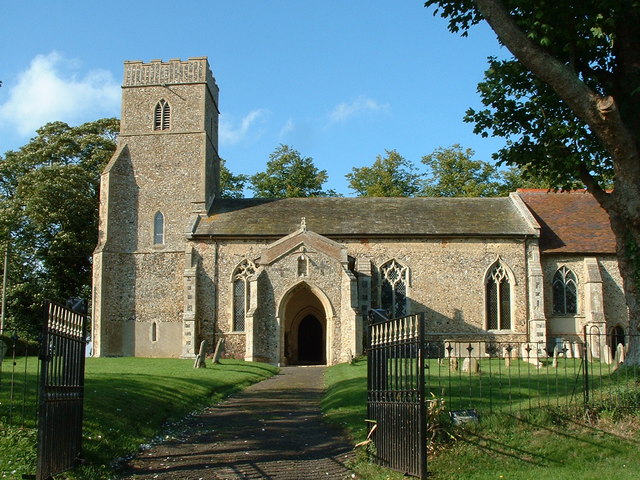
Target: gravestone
{"points": [[218, 351], [200, 358], [568, 349], [620, 355], [556, 352], [453, 364], [577, 350], [470, 365]]}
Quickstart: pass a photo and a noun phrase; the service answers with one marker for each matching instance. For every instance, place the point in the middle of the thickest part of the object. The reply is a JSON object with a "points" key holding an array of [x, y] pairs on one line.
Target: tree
{"points": [[453, 173], [231, 185], [389, 176], [569, 105], [289, 174], [49, 214]]}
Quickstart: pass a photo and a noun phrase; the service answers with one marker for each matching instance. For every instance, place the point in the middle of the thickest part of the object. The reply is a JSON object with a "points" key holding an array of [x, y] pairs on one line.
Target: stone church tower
{"points": [[165, 171]]}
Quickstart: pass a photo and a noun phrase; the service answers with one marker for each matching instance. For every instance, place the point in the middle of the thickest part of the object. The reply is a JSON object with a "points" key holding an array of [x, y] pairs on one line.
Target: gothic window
{"points": [[241, 293], [565, 292], [393, 288], [162, 116], [498, 298], [154, 332], [158, 229]]}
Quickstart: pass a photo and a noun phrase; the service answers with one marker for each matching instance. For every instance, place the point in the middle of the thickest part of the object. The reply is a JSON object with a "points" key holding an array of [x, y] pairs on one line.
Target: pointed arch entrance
{"points": [[305, 326]]}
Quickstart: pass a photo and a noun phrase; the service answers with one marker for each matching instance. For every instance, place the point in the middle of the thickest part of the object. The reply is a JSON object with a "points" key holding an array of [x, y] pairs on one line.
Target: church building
{"points": [[290, 281]]}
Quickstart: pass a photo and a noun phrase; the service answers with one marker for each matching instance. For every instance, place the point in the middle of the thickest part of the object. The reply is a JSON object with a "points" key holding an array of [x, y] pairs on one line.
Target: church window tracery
{"points": [[162, 116], [498, 298], [241, 293], [565, 292], [158, 229], [393, 288]]}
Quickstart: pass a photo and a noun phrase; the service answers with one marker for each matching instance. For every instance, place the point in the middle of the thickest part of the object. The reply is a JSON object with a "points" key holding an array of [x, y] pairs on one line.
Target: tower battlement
{"points": [[174, 72]]}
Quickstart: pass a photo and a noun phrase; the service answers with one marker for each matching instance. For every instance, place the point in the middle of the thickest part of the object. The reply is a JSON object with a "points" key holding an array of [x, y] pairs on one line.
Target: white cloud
{"points": [[49, 90], [288, 127], [232, 132], [360, 105]]}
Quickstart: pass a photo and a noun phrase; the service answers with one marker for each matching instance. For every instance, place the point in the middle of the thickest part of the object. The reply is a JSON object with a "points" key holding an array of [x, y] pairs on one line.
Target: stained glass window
{"points": [[393, 288], [565, 292], [241, 293], [498, 299]]}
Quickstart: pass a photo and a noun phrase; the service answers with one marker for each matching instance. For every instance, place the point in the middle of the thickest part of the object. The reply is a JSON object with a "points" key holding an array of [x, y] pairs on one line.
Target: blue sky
{"points": [[341, 81]]}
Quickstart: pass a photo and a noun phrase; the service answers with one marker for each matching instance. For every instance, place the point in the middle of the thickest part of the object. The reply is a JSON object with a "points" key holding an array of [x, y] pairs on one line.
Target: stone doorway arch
{"points": [[306, 319], [617, 336]]}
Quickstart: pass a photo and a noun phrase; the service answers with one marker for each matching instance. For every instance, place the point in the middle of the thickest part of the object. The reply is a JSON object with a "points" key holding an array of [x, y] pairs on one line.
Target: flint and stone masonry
{"points": [[290, 281]]}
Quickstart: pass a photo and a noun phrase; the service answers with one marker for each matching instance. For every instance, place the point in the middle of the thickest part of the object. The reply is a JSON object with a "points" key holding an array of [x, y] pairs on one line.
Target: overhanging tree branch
{"points": [[600, 113]]}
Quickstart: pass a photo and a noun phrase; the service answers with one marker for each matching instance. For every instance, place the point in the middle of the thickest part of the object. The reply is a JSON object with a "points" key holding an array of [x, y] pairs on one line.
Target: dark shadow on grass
{"points": [[568, 419], [494, 446]]}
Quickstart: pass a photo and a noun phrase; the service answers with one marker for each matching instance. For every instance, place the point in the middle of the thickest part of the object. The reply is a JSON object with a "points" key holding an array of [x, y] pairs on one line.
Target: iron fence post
{"points": [[586, 369], [422, 397]]}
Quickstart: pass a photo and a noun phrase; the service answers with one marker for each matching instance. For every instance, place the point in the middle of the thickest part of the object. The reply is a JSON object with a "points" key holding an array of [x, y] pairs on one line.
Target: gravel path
{"points": [[271, 430]]}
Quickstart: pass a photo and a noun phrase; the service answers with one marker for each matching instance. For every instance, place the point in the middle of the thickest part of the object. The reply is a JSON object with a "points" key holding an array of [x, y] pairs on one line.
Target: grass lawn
{"points": [[544, 443], [128, 401]]}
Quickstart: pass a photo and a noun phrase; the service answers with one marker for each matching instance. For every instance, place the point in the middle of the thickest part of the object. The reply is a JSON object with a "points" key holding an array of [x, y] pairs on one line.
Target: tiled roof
{"points": [[571, 222], [365, 217]]}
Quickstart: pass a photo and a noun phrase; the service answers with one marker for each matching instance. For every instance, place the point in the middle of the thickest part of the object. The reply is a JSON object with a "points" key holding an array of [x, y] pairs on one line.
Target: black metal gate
{"points": [[62, 355], [396, 392]]}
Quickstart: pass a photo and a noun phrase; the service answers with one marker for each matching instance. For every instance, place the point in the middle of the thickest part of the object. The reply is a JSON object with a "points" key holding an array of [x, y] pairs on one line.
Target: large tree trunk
{"points": [[620, 139], [627, 241]]}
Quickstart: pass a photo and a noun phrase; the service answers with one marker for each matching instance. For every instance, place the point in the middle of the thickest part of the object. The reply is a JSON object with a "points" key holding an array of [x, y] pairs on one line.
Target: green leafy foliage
{"points": [[598, 40], [231, 185], [454, 173], [389, 176], [289, 174], [49, 215]]}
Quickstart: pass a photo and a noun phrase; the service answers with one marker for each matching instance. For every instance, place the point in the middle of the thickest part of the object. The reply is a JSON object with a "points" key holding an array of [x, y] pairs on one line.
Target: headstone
{"points": [[453, 364], [470, 365], [568, 349], [577, 350], [3, 350], [620, 355], [606, 355], [556, 352], [507, 361], [218, 351], [200, 358]]}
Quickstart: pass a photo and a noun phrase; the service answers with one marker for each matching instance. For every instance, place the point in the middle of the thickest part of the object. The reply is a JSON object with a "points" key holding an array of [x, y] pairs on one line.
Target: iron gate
{"points": [[62, 355], [396, 392]]}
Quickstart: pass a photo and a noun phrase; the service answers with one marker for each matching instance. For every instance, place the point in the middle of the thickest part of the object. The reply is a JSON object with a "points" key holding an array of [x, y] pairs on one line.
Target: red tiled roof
{"points": [[571, 222]]}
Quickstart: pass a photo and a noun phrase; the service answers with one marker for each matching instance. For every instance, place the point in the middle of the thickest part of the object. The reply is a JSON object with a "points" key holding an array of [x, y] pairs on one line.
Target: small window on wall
{"points": [[162, 116], [565, 292], [158, 229], [154, 332], [498, 299]]}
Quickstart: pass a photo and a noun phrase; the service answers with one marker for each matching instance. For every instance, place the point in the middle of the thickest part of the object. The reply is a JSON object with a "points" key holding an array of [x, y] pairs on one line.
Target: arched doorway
{"points": [[304, 326], [617, 336], [311, 348]]}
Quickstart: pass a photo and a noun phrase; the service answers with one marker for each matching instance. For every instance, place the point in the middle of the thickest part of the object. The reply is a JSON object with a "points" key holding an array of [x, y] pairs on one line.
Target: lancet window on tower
{"points": [[241, 293], [498, 298], [393, 288], [565, 292], [162, 116], [158, 229]]}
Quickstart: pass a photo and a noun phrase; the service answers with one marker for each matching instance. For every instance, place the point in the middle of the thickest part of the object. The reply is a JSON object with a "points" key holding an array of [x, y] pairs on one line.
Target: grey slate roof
{"points": [[365, 217]]}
